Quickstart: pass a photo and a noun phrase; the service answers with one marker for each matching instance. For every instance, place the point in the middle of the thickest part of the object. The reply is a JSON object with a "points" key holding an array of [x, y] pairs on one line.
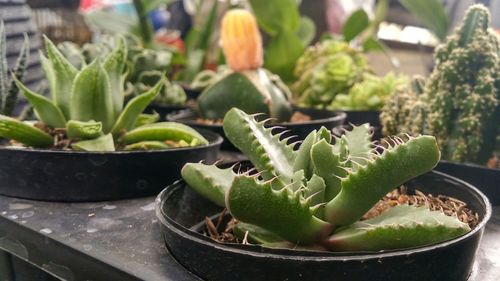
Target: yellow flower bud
{"points": [[241, 40]]}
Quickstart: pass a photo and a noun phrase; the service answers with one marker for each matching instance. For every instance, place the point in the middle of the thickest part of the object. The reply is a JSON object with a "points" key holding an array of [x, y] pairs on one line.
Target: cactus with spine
{"points": [[87, 107], [316, 195], [8, 89], [460, 104], [247, 85]]}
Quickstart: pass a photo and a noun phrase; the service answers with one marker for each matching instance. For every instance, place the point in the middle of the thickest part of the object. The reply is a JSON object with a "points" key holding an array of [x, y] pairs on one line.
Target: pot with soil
{"points": [[86, 145], [460, 108], [304, 121], [324, 211]]}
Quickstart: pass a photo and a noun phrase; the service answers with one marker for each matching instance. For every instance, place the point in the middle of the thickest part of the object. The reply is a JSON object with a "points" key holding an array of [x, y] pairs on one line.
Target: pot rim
{"points": [[217, 141], [338, 116], [469, 165], [287, 254]]}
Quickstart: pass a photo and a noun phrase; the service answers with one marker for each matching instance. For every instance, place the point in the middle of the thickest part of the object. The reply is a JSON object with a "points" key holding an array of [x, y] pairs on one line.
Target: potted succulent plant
{"points": [[296, 215], [145, 68], [336, 76], [248, 86], [459, 103], [86, 145]]}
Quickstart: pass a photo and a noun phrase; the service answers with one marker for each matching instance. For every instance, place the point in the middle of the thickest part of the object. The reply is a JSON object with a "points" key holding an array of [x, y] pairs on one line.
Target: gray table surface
{"points": [[121, 239]]}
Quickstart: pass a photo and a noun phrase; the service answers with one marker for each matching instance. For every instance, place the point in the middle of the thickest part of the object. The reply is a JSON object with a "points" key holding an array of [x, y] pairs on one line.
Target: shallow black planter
{"points": [[485, 179], [180, 210], [326, 118], [75, 176]]}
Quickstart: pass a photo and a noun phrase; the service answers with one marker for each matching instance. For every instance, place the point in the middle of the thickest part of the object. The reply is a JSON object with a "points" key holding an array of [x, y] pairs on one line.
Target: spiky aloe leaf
{"points": [[60, 73], [26, 134], [400, 227], [45, 109], [91, 98], [328, 165], [114, 64], [164, 131], [83, 130], [128, 117], [282, 212], [18, 71], [255, 234], [270, 155], [359, 145], [104, 143], [397, 164], [209, 181], [147, 145]]}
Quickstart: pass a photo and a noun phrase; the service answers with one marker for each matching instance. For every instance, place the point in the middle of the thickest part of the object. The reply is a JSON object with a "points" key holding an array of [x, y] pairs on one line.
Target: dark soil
{"points": [[223, 232]]}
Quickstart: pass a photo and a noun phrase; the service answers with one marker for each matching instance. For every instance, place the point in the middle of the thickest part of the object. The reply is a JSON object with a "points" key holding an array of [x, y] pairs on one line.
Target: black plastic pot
{"points": [[180, 210], [75, 176], [485, 179], [319, 118]]}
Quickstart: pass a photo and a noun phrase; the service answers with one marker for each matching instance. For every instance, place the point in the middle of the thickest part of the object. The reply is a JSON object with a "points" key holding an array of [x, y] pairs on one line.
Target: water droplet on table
{"points": [[148, 207], [27, 214], [46, 230]]}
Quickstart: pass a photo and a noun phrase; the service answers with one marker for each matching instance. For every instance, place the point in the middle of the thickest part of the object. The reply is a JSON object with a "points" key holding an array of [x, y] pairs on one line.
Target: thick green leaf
{"points": [[115, 65], [164, 131], [45, 109], [276, 15], [145, 119], [430, 13], [128, 118], [104, 143], [91, 98], [19, 71], [306, 31], [4, 68], [400, 227], [355, 24], [282, 53], [147, 145], [209, 181], [83, 130], [63, 75], [26, 134]]}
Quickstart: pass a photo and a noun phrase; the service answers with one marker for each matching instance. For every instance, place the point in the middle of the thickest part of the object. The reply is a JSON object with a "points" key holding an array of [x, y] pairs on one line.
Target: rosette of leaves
{"points": [[325, 70], [460, 103], [87, 112], [144, 66], [369, 94], [316, 195], [8, 89]]}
